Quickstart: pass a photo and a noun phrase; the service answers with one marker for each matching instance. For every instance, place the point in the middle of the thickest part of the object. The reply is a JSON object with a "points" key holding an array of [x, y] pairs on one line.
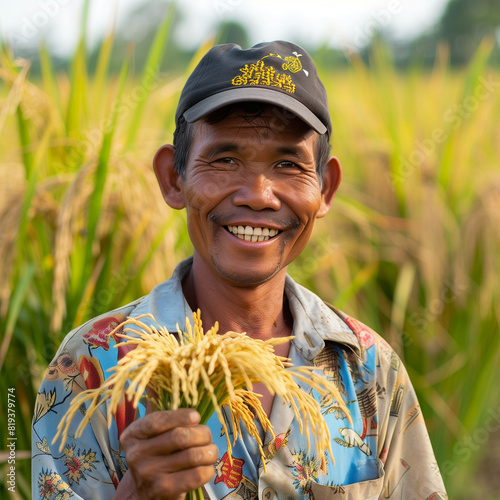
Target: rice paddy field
{"points": [[411, 246]]}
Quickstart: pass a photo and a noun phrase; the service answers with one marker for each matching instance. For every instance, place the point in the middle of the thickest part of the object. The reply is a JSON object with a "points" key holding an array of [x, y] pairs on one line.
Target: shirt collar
{"points": [[313, 321]]}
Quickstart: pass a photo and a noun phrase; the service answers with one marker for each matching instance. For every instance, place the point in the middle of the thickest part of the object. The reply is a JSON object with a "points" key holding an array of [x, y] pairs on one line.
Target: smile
{"points": [[249, 233]]}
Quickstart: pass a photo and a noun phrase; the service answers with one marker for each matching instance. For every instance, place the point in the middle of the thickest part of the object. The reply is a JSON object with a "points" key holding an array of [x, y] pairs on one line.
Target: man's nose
{"points": [[257, 192]]}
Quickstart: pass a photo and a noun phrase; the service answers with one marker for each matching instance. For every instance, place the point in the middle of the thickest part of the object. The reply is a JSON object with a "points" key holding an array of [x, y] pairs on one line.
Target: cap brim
{"points": [[243, 94]]}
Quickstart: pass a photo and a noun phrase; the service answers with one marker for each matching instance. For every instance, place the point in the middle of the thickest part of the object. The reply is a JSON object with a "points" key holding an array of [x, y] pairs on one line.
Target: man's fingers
{"points": [[183, 481], [169, 453], [160, 476], [178, 439], [159, 422], [202, 456], [151, 466]]}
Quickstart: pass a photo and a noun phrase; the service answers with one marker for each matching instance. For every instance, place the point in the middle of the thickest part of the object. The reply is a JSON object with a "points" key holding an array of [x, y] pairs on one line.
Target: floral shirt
{"points": [[385, 453]]}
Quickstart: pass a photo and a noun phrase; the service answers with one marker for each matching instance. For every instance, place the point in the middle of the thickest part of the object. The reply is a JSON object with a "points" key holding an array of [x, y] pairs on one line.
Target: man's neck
{"points": [[261, 310]]}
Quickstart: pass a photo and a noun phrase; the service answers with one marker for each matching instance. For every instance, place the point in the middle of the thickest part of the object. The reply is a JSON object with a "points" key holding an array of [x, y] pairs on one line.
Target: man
{"points": [[251, 165]]}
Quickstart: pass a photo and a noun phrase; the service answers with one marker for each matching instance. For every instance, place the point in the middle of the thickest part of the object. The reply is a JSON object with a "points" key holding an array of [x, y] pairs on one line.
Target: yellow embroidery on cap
{"points": [[293, 63], [260, 74]]}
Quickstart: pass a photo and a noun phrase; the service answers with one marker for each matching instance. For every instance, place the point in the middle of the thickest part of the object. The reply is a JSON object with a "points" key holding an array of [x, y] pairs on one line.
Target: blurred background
{"points": [[88, 92]]}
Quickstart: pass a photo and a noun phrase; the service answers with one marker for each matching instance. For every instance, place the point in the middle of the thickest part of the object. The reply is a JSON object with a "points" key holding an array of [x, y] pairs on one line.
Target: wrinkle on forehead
{"points": [[266, 125]]}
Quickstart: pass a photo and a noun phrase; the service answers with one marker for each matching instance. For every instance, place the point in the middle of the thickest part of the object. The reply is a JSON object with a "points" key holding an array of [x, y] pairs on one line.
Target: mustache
{"points": [[269, 219]]}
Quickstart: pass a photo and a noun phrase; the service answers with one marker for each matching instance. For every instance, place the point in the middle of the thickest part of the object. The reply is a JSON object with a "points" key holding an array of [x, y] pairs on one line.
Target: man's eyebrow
{"points": [[290, 151], [216, 149]]}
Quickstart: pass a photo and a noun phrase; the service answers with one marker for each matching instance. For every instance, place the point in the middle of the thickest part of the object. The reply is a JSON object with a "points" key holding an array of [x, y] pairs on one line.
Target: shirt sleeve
{"points": [[90, 466], [404, 447]]}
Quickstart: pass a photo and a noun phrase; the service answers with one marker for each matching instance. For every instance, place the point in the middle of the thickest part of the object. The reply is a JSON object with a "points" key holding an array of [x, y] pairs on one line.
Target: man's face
{"points": [[252, 194]]}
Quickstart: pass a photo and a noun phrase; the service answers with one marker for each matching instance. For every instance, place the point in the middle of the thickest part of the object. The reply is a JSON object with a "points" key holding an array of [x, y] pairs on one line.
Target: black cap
{"points": [[279, 73]]}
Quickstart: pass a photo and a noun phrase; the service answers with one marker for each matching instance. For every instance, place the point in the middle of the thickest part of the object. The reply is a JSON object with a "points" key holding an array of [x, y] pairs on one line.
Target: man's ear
{"points": [[331, 182], [170, 181]]}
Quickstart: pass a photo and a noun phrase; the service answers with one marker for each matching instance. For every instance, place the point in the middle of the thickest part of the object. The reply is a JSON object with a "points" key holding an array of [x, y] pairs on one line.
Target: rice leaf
{"points": [[149, 74], [15, 308]]}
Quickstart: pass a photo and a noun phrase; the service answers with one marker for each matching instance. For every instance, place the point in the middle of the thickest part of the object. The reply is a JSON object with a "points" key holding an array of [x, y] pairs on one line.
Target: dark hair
{"points": [[183, 135]]}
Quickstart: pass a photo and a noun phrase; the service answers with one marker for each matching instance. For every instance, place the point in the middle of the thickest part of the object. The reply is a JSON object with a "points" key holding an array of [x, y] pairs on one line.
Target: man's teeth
{"points": [[250, 233]]}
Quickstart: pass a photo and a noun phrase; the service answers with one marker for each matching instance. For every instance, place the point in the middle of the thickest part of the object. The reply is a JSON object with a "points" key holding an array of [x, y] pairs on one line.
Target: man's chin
{"points": [[246, 277]]}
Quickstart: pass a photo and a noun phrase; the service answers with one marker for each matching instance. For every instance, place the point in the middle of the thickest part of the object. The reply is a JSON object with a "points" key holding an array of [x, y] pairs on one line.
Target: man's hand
{"points": [[168, 454]]}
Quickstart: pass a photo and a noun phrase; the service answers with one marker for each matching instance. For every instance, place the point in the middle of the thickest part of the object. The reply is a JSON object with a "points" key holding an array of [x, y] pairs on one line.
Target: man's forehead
{"points": [[226, 145], [263, 117], [234, 131]]}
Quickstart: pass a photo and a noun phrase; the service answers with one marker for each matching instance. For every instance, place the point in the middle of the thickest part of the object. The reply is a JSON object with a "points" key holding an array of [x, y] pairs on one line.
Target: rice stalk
{"points": [[208, 371], [73, 203], [14, 309], [151, 66]]}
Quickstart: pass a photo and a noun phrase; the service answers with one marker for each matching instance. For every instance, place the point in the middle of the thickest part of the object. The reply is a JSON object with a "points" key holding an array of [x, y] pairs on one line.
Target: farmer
{"points": [[250, 164]]}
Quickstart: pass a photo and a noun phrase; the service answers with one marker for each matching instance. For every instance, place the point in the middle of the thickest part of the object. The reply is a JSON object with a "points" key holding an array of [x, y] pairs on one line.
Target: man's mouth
{"points": [[249, 233]]}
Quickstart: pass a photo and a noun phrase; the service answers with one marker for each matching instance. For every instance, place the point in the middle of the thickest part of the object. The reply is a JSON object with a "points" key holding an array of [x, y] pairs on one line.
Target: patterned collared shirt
{"points": [[384, 453]]}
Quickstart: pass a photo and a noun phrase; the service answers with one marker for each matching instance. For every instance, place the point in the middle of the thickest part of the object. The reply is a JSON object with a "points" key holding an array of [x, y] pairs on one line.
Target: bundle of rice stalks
{"points": [[206, 371]]}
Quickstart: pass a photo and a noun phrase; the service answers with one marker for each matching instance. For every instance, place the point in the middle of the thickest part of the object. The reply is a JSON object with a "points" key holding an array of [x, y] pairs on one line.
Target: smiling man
{"points": [[250, 164]]}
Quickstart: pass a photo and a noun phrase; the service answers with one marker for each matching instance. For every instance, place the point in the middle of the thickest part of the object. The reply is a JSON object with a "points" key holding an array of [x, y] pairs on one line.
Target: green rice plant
{"points": [[83, 226]]}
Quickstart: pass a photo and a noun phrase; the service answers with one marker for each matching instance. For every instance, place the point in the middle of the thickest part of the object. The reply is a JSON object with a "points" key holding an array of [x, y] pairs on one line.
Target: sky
{"points": [[340, 23]]}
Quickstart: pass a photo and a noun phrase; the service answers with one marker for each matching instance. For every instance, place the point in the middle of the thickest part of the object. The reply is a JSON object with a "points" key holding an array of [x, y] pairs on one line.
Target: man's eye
{"points": [[287, 164], [225, 159]]}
